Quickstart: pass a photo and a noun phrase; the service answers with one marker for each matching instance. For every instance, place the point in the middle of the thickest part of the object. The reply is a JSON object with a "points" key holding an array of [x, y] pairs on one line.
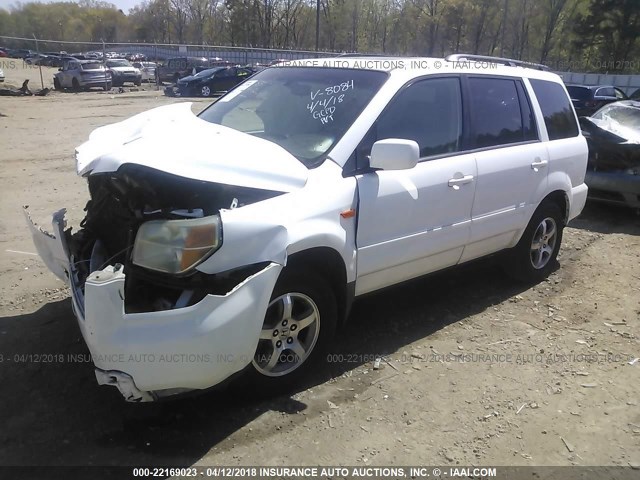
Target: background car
{"points": [[135, 57], [79, 74], [179, 67], [147, 70], [3, 53], [613, 170], [20, 53], [122, 72], [53, 59], [36, 59], [1, 75], [587, 99], [213, 81], [635, 95]]}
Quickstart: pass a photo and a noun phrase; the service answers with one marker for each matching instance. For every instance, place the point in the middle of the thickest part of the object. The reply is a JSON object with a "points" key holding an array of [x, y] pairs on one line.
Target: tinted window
{"points": [[556, 109], [496, 115], [429, 112], [579, 93]]}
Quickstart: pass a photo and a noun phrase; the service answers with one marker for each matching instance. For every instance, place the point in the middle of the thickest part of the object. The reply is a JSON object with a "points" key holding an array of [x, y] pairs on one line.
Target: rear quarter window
{"points": [[556, 109]]}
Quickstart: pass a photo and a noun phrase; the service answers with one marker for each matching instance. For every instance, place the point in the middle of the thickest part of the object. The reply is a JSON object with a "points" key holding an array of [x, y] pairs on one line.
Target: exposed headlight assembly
{"points": [[175, 246]]}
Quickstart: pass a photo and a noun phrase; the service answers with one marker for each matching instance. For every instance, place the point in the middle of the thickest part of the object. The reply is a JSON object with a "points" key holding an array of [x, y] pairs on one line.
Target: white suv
{"points": [[235, 241]]}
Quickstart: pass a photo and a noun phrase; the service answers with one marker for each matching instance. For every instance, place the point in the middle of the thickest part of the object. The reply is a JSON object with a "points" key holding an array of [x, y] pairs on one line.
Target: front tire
{"points": [[534, 257], [298, 326], [56, 84]]}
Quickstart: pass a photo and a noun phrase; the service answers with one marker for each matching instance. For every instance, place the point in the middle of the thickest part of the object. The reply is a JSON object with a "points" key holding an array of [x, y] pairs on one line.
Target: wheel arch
{"points": [[561, 199], [331, 265]]}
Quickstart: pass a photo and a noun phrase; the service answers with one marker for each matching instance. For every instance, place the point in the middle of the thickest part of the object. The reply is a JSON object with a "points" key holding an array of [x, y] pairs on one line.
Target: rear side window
{"points": [[606, 92], [496, 115], [556, 109]]}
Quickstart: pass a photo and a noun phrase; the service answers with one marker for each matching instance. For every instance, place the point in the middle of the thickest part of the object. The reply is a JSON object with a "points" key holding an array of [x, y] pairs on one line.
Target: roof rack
{"points": [[356, 54], [459, 57]]}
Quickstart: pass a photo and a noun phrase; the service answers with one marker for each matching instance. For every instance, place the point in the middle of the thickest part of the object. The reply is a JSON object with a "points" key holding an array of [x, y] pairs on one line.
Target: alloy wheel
{"points": [[290, 331], [543, 243]]}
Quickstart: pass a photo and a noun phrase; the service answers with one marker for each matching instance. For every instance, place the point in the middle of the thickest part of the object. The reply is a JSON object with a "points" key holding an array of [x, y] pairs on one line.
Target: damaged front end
{"points": [[613, 169], [156, 325]]}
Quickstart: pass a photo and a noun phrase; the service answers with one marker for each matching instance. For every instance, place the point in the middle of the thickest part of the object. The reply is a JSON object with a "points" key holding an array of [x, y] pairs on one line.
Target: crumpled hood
{"points": [[172, 139]]}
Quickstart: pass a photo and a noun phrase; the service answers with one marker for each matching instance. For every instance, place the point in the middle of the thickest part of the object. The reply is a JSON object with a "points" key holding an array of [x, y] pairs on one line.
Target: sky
{"points": [[124, 5]]}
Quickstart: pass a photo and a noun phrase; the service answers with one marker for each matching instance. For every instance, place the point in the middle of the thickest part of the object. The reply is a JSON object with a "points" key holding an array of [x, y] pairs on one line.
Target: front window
{"points": [[304, 110], [207, 73]]}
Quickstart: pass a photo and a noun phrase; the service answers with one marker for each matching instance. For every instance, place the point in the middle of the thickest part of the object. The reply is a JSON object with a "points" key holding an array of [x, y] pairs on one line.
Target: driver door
{"points": [[412, 222]]}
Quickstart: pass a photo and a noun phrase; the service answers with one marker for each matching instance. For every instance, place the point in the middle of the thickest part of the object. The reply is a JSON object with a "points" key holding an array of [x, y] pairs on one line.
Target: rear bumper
{"points": [[95, 83], [614, 188], [155, 354], [578, 200]]}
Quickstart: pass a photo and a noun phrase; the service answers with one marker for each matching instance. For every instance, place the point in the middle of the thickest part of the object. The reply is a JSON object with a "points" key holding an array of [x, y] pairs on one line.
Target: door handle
{"points": [[456, 182], [538, 164]]}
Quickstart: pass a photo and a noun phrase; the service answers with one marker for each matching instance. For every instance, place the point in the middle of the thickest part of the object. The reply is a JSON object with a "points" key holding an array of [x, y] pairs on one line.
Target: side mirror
{"points": [[394, 154]]}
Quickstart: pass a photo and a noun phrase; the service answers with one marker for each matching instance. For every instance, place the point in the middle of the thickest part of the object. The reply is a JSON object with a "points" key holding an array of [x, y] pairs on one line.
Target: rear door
{"points": [[512, 162], [412, 222]]}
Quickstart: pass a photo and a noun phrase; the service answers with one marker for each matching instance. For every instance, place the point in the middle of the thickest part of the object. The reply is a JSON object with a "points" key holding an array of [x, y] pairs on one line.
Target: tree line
{"points": [[574, 35]]}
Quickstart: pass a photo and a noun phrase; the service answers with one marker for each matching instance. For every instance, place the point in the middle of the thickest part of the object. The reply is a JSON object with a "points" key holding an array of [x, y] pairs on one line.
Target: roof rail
{"points": [[459, 57], [356, 54]]}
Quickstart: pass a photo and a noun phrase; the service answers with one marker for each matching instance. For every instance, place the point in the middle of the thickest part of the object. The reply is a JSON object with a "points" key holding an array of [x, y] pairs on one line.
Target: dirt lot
{"points": [[544, 378]]}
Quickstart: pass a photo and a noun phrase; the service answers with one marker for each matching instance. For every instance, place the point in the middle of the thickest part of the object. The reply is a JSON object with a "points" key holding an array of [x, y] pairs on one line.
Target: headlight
{"points": [[174, 246]]}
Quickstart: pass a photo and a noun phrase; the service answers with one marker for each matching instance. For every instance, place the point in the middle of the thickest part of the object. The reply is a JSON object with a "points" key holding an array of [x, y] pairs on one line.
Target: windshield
{"points": [[624, 115], [304, 110], [206, 73], [118, 63]]}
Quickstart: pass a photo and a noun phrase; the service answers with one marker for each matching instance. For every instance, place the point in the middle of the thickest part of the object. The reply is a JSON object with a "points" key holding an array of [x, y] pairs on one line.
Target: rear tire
{"points": [[75, 84], [534, 257], [299, 323]]}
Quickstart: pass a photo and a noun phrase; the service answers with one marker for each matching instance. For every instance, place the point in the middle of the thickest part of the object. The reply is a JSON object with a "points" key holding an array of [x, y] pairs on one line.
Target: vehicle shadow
{"points": [[52, 405], [604, 218]]}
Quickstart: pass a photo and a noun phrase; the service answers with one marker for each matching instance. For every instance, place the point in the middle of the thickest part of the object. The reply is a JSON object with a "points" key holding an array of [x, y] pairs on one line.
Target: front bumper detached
{"points": [[155, 354]]}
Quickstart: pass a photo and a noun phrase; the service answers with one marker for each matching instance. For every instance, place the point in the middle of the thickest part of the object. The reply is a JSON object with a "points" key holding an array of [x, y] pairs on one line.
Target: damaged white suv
{"points": [[235, 241]]}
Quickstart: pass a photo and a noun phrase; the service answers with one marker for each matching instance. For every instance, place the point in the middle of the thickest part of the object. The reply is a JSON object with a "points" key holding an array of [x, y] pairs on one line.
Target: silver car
{"points": [[148, 70], [82, 74]]}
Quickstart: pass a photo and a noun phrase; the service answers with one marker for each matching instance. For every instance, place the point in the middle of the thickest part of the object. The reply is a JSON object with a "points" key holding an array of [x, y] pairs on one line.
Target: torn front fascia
{"points": [[121, 201]]}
